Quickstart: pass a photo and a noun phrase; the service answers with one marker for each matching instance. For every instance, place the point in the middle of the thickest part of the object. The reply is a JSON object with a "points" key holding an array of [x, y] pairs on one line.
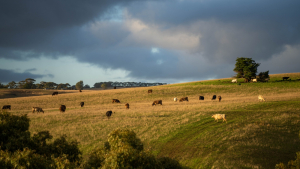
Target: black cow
{"points": [[157, 102], [54, 93], [81, 104], [62, 108], [285, 78], [115, 87], [108, 114], [214, 97], [184, 99], [201, 97], [6, 107]]}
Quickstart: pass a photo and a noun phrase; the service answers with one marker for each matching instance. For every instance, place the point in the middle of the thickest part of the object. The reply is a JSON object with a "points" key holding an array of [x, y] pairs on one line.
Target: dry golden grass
{"points": [[90, 126]]}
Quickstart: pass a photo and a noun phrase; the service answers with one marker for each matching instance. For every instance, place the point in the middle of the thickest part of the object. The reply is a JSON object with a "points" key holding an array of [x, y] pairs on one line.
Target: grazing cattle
{"points": [[115, 87], [175, 99], [150, 91], [234, 81], [108, 114], [285, 78], [62, 108], [80, 91], [54, 93], [115, 101], [254, 80], [37, 109], [219, 117], [219, 97], [184, 99], [214, 97], [201, 97], [260, 98], [81, 104], [157, 102], [6, 107], [127, 106]]}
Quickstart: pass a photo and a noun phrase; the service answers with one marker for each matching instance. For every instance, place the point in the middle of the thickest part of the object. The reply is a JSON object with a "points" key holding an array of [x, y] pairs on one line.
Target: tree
{"points": [[246, 68], [79, 85], [12, 85], [103, 85], [87, 86], [262, 76]]}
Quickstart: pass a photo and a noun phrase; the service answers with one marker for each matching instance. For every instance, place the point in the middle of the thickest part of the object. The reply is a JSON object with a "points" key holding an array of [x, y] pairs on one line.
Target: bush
{"points": [[125, 150], [19, 150]]}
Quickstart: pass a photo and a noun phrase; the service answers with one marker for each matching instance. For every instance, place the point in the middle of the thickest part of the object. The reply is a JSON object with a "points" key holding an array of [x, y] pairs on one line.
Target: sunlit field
{"points": [[256, 135]]}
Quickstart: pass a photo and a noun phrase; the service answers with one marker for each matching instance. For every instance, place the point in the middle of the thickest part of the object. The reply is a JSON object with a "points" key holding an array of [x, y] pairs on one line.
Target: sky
{"points": [[167, 41]]}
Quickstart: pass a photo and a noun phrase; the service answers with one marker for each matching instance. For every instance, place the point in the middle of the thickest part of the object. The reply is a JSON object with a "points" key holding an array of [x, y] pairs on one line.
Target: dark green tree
{"points": [[246, 68], [262, 76], [79, 85], [103, 85]]}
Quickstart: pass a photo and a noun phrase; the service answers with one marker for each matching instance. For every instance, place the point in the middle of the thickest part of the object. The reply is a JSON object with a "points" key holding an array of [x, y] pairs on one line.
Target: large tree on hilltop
{"points": [[246, 68]]}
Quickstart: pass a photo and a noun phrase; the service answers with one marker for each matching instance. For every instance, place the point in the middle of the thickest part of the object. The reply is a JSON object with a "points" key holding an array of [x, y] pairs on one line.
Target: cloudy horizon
{"points": [[168, 41]]}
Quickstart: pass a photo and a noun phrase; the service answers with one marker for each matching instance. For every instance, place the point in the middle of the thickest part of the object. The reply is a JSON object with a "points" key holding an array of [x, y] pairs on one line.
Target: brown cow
{"points": [[157, 102], [81, 104], [6, 107], [219, 97], [80, 91], [54, 93], [127, 106], [62, 108], [115, 87], [184, 99], [115, 101], [150, 91]]}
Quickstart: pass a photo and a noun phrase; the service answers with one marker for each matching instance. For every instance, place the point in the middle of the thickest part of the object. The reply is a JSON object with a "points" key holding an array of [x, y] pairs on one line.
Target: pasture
{"points": [[256, 135]]}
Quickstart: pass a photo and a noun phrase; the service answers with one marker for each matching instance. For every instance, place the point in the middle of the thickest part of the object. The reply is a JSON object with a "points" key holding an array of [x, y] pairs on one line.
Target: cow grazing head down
{"points": [[261, 98], [201, 97], [37, 109], [5, 107], [81, 104], [127, 106], [62, 108], [157, 102], [54, 93], [184, 99], [150, 91], [108, 114], [219, 117], [214, 97], [115, 101], [80, 91]]}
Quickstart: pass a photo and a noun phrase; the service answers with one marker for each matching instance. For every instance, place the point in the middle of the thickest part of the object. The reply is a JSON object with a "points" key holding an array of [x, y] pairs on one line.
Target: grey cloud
{"points": [[10, 75]]}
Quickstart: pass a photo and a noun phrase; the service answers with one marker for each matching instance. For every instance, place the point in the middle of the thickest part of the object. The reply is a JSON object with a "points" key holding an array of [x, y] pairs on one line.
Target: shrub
{"points": [[125, 150]]}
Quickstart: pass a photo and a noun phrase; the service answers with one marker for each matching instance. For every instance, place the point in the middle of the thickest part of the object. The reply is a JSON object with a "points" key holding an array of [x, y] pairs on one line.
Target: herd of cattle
{"points": [[63, 108]]}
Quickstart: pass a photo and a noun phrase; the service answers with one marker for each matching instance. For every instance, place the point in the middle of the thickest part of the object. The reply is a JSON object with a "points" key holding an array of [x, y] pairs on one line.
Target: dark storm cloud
{"points": [[52, 28], [7, 76]]}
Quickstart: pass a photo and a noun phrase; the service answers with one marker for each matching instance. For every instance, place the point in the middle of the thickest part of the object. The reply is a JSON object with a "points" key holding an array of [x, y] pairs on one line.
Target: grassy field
{"points": [[256, 135]]}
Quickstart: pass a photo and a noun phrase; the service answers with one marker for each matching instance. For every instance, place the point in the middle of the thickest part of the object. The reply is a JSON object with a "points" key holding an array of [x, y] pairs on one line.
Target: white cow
{"points": [[234, 81], [260, 98], [254, 80], [219, 117], [175, 99]]}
